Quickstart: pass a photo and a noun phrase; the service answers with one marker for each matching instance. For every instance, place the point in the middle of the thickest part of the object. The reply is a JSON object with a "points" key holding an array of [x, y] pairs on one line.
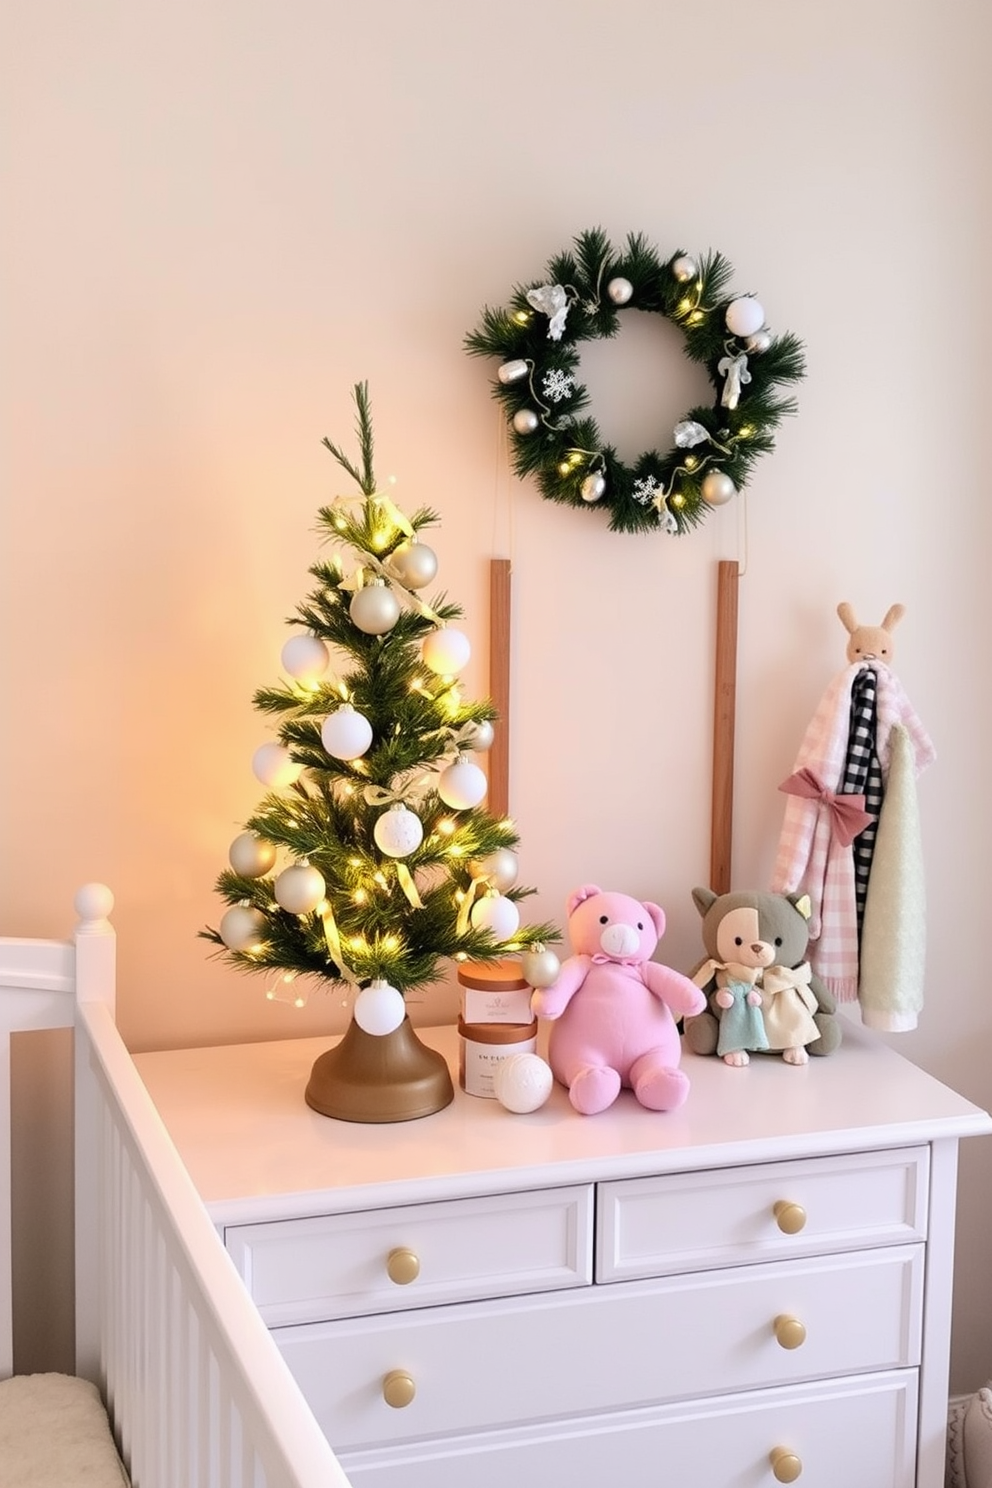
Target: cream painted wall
{"points": [[221, 215]]}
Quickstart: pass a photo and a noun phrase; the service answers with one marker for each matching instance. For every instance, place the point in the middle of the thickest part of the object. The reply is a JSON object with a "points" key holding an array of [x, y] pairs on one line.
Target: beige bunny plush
{"points": [[870, 642]]}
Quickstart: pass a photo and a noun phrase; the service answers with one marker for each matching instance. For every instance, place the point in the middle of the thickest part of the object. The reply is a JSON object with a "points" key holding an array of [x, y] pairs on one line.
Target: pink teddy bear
{"points": [[612, 1006]]}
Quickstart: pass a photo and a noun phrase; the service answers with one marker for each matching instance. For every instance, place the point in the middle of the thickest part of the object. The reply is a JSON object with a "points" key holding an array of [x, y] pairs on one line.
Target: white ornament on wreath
{"points": [[745, 316]]}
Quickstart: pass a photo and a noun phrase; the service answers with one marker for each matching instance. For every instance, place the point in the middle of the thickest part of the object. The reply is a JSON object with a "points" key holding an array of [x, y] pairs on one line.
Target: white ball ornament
{"points": [[446, 651], [497, 914], [620, 290], [374, 609], [499, 867], [275, 767], [480, 736], [525, 421], [251, 856], [398, 831], [379, 1009], [305, 657], [346, 734], [684, 268], [745, 316], [540, 966], [717, 488], [413, 564], [759, 342], [462, 785], [593, 487], [299, 889], [523, 1083], [242, 928]]}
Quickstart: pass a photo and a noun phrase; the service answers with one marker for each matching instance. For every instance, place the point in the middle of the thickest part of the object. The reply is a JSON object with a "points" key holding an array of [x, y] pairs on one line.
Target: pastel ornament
{"points": [[275, 767], [305, 657], [745, 316], [413, 564], [251, 856], [379, 1009], [462, 785], [612, 1009], [523, 1083], [398, 831], [497, 914], [540, 966], [446, 651], [346, 734], [499, 868], [299, 889], [374, 609], [242, 928]]}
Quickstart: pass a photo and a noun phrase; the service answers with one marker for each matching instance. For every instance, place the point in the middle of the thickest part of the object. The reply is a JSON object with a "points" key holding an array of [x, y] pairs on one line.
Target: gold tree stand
{"points": [[367, 1077]]}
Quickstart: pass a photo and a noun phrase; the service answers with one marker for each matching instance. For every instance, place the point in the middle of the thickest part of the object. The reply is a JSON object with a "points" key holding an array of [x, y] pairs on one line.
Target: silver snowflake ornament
{"points": [[646, 491], [557, 385]]}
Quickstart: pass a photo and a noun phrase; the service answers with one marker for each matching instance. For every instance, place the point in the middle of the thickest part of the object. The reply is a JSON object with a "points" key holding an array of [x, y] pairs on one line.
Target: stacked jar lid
{"points": [[495, 1022]]}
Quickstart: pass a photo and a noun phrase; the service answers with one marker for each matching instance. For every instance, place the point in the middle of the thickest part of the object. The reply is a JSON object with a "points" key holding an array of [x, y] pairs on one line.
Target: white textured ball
{"points": [[541, 967], [499, 867], [379, 1009], [413, 564], [305, 657], [480, 735], [745, 316], [398, 831], [462, 785], [275, 767], [498, 915], [717, 488], [619, 290], [250, 855], [593, 487], [374, 609], [346, 733], [299, 889], [446, 651], [512, 371], [523, 1082], [684, 268], [525, 421], [242, 928]]}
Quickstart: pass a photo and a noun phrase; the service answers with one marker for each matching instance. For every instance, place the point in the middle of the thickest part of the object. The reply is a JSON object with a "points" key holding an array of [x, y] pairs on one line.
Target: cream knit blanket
{"points": [[54, 1433]]}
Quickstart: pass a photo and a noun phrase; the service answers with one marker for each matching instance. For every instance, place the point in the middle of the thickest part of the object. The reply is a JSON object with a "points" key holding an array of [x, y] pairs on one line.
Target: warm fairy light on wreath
{"points": [[537, 340]]}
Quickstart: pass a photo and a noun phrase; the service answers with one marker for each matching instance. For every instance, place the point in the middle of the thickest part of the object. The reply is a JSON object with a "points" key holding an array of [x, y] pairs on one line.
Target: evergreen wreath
{"points": [[537, 338]]}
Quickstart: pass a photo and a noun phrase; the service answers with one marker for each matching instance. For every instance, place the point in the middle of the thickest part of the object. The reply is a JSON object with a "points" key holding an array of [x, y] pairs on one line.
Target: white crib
{"points": [[196, 1392]]}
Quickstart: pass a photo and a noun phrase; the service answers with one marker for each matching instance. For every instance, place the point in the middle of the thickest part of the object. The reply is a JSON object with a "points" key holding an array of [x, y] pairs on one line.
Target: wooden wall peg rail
{"points": [[724, 713]]}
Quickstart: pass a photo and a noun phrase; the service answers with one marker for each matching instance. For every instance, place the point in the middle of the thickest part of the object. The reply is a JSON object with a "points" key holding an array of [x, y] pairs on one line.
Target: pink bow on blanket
{"points": [[848, 816]]}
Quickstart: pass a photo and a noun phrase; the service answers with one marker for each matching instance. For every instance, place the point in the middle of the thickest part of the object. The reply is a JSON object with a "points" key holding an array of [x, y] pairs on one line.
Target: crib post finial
{"points": [[93, 903]]}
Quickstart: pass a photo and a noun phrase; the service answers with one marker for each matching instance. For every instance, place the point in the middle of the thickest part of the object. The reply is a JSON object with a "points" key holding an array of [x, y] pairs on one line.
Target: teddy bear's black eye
{"points": [[640, 924], [604, 919], [738, 940], [778, 940]]}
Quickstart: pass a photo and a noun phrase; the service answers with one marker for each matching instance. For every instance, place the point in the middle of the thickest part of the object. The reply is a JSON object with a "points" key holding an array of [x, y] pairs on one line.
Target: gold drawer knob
{"points": [[786, 1466], [402, 1266], [789, 1331], [398, 1389], [790, 1218]]}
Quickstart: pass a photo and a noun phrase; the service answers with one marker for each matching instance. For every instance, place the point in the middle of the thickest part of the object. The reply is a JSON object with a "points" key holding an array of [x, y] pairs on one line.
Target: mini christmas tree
{"points": [[372, 859]]}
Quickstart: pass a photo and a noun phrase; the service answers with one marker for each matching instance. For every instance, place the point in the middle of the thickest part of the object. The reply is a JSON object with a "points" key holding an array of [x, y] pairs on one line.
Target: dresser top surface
{"points": [[238, 1118]]}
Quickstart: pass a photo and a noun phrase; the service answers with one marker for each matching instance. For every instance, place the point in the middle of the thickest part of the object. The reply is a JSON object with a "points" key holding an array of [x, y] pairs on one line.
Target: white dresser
{"points": [[753, 1289]]}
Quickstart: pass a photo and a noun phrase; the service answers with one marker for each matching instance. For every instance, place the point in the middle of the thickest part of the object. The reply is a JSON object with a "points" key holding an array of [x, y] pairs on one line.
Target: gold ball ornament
{"points": [[413, 564], [251, 856], [299, 889], [717, 488], [374, 609], [500, 867], [242, 928], [541, 967]]}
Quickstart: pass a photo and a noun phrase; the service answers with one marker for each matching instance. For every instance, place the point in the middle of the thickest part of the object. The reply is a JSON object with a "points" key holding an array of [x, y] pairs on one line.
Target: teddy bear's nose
{"points": [[620, 940]]}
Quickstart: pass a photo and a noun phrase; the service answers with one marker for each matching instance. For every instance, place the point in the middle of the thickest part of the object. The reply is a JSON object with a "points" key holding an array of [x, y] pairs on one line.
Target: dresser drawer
{"points": [[479, 1365], [847, 1433], [340, 1265], [681, 1222]]}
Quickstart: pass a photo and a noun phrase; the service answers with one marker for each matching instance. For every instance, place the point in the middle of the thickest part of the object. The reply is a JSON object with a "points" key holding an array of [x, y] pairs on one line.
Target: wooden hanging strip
{"points": [[499, 684], [724, 714]]}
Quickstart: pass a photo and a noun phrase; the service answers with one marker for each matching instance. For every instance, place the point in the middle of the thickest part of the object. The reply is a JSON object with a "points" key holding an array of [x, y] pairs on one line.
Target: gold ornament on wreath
{"points": [[713, 447]]}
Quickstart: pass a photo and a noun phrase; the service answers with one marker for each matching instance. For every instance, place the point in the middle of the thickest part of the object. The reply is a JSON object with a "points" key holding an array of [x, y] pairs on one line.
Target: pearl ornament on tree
{"points": [[379, 1009], [462, 785], [398, 831], [446, 651], [745, 316], [522, 1083], [346, 734], [500, 867], [413, 564], [541, 967], [299, 889], [525, 421], [305, 657], [684, 268], [620, 290], [275, 767], [717, 488], [251, 856], [593, 487], [242, 928], [497, 914], [374, 609]]}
